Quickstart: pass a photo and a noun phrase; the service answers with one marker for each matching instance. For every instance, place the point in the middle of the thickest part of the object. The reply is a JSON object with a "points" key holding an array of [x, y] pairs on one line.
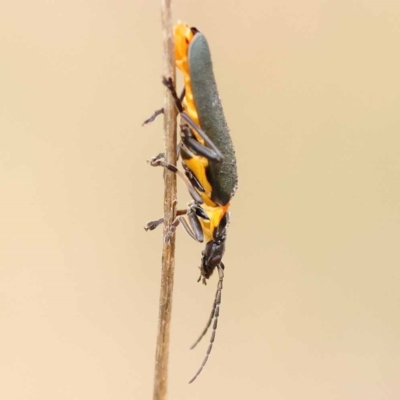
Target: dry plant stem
{"points": [[168, 255]]}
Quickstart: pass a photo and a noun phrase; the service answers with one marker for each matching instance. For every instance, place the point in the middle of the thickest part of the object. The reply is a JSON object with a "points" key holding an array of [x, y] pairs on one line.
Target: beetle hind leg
{"points": [[168, 82]]}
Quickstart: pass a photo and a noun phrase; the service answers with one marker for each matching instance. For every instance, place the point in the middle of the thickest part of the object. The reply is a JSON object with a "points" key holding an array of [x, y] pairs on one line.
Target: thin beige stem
{"points": [[168, 254]]}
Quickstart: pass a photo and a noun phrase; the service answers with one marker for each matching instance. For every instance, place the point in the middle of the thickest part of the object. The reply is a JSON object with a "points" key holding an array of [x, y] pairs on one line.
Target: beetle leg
{"points": [[154, 116], [159, 162], [169, 84], [191, 177], [217, 155], [150, 226], [178, 101], [199, 211], [214, 153], [193, 227], [162, 155], [192, 144]]}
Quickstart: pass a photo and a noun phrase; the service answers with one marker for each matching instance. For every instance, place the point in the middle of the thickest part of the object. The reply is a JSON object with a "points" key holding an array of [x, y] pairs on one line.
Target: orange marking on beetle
{"points": [[183, 37], [215, 214]]}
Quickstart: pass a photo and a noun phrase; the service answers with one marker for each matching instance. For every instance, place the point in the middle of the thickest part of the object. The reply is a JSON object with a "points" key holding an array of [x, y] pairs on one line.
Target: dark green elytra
{"points": [[222, 175]]}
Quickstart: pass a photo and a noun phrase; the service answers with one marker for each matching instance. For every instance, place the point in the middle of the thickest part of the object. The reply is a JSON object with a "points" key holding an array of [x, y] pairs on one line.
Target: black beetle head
{"points": [[215, 249], [212, 257]]}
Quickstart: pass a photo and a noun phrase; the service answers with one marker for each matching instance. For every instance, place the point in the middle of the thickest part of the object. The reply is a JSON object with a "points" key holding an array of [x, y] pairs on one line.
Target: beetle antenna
{"points": [[210, 319], [214, 316]]}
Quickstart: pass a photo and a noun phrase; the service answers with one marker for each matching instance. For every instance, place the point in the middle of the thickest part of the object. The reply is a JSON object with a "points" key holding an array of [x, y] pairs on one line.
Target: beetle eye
{"points": [[220, 240]]}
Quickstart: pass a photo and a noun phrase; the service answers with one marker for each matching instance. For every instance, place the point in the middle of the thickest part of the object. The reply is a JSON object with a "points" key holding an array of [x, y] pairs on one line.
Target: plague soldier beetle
{"points": [[208, 160]]}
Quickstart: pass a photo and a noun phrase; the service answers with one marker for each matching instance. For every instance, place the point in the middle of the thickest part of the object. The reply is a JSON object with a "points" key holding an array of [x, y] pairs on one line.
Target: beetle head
{"points": [[211, 258], [214, 251]]}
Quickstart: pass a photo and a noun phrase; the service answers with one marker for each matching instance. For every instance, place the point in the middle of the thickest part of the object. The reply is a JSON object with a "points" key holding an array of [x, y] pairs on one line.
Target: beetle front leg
{"points": [[151, 225], [193, 227]]}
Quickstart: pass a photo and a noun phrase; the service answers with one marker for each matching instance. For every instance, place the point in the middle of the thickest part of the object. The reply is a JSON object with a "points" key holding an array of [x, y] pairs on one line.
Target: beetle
{"points": [[208, 160]]}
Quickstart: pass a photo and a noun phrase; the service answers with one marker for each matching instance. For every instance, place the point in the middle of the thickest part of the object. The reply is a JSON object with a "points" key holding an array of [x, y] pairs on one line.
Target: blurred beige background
{"points": [[311, 91]]}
